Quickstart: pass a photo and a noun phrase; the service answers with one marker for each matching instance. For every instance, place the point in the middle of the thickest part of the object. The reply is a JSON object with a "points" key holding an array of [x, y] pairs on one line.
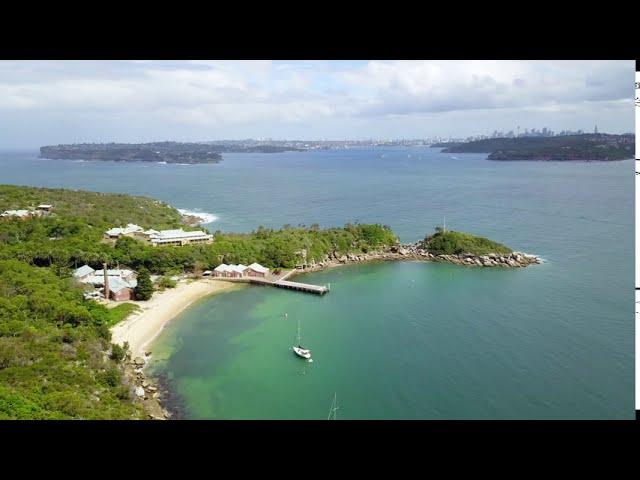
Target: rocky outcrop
{"points": [[417, 251], [145, 390]]}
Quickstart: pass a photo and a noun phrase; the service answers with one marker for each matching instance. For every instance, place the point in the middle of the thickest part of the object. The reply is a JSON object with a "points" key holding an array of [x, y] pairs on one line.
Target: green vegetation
{"points": [[52, 350], [567, 147], [166, 282], [79, 208], [144, 288], [170, 152], [56, 360], [450, 243], [73, 236], [119, 313]]}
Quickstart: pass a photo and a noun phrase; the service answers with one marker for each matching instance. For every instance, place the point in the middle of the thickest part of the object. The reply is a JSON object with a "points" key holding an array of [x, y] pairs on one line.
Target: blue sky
{"points": [[50, 102]]}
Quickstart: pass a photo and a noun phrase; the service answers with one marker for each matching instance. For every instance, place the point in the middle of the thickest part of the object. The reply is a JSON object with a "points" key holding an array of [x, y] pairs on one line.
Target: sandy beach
{"points": [[142, 327]]}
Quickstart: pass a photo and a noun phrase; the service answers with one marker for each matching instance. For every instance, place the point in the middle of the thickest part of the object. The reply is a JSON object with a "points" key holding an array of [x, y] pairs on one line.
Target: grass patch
{"points": [[120, 312]]}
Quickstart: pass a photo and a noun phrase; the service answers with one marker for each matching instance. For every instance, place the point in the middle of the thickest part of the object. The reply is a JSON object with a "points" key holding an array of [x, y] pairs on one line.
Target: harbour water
{"points": [[401, 340]]}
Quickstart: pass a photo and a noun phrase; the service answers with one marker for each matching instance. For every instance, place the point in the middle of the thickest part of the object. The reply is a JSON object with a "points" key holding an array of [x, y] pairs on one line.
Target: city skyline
{"points": [[52, 102]]}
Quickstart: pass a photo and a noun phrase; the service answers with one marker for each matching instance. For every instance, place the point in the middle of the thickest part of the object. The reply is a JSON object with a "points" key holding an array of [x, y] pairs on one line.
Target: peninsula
{"points": [[159, 152], [585, 147], [67, 352]]}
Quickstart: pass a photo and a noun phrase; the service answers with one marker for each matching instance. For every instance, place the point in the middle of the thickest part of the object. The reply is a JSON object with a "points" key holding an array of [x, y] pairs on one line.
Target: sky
{"points": [[52, 102]]}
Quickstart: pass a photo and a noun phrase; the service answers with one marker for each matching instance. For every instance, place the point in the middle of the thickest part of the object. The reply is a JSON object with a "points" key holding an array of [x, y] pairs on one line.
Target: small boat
{"points": [[300, 350]]}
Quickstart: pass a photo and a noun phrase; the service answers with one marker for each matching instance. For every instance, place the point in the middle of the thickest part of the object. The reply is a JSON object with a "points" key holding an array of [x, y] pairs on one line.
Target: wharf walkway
{"points": [[280, 282]]}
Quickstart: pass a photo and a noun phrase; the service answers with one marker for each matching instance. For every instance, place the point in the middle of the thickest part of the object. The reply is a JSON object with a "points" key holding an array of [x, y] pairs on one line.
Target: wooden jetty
{"points": [[280, 282], [302, 287]]}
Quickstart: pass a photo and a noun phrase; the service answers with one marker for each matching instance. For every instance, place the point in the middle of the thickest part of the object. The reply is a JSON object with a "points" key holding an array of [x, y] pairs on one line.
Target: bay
{"points": [[409, 339]]}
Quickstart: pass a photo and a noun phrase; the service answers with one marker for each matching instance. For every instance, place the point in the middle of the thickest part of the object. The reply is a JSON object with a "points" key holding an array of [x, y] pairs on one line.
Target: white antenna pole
{"points": [[444, 224]]}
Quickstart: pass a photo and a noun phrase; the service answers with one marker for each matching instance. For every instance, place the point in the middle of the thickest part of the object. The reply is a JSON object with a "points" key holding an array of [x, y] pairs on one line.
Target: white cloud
{"points": [[209, 99]]}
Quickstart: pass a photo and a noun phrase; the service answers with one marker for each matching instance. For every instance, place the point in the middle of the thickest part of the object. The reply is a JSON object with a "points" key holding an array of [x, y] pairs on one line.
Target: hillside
{"points": [[169, 152], [93, 208], [602, 147], [453, 243], [56, 358]]}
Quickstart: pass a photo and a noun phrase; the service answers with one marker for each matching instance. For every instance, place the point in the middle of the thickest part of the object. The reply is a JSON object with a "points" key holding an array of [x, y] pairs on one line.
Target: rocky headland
{"points": [[417, 251]]}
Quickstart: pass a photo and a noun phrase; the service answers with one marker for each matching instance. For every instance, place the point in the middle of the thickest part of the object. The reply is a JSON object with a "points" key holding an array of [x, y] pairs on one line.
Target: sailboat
{"points": [[334, 408], [300, 350]]}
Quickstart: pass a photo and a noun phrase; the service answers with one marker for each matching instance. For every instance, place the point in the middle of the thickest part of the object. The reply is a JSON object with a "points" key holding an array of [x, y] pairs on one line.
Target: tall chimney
{"points": [[106, 281]]}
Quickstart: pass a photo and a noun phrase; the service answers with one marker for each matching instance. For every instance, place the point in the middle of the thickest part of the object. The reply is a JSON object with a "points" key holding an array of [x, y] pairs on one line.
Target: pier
{"points": [[302, 287], [281, 282]]}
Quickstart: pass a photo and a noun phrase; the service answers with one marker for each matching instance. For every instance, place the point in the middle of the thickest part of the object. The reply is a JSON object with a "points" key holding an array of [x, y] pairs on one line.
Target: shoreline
{"points": [[415, 252], [143, 327]]}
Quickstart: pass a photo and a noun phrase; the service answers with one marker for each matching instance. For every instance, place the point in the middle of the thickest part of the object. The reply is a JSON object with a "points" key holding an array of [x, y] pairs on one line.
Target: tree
{"points": [[144, 289]]}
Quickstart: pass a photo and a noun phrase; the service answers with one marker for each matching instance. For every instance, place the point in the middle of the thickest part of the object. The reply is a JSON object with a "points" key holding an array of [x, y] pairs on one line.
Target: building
{"points": [[240, 271], [22, 214], [120, 290], [119, 283], [229, 271], [83, 273], [129, 231], [256, 270], [178, 237], [220, 270], [123, 273], [44, 208], [237, 271]]}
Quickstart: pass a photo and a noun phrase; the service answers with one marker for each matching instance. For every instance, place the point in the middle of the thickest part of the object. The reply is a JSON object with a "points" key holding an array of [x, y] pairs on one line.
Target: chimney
{"points": [[106, 281]]}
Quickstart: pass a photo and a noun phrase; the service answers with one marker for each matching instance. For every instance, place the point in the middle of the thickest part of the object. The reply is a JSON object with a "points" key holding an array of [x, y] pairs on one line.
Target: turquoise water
{"points": [[402, 340]]}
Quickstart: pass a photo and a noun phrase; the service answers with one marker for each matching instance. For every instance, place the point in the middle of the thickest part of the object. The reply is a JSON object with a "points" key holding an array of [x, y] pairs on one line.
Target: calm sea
{"points": [[401, 340]]}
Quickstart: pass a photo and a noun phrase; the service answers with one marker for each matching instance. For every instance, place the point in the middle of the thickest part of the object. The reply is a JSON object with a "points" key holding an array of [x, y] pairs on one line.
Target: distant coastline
{"points": [[159, 152], [586, 147]]}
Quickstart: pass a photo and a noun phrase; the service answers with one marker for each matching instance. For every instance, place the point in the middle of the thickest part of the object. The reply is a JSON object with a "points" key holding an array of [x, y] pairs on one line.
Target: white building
{"points": [[163, 237], [256, 270], [178, 237], [83, 273], [127, 231], [240, 271], [17, 213]]}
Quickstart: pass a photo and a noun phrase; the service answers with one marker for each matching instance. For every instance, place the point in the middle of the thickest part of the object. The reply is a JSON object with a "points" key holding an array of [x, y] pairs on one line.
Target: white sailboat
{"points": [[334, 408], [300, 350]]}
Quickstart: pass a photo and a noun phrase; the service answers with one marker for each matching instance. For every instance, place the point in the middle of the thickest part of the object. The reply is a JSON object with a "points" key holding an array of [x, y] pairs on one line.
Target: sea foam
{"points": [[204, 216]]}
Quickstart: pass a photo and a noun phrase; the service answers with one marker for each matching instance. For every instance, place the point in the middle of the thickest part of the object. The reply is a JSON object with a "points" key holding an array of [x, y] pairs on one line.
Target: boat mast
{"points": [[334, 409], [299, 342]]}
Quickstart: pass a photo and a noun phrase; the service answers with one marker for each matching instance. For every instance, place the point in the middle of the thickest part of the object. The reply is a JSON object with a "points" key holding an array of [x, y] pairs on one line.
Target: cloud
{"points": [[244, 98], [407, 87]]}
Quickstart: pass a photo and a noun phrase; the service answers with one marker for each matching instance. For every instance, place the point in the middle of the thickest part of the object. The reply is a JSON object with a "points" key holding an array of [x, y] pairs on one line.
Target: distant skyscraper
{"points": [[595, 130]]}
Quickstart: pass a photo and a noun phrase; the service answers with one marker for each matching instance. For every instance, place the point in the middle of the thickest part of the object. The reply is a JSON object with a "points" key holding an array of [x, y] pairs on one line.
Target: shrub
{"points": [[166, 282], [117, 353]]}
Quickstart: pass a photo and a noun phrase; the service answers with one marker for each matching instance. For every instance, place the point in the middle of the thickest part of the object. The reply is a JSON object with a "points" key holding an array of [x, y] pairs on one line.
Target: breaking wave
{"points": [[204, 216]]}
